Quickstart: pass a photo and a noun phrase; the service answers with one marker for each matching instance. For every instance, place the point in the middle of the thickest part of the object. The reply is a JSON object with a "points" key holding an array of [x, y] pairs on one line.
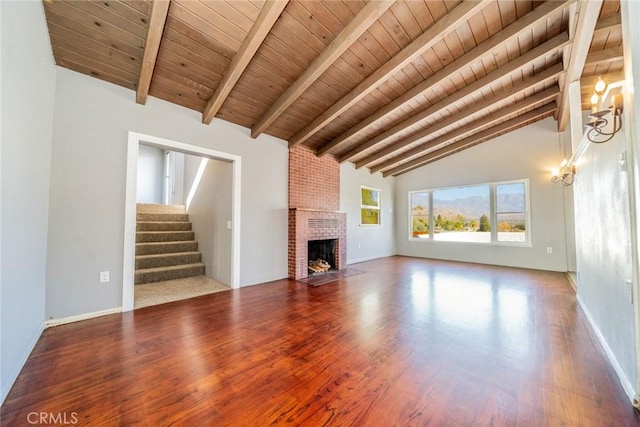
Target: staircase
{"points": [[166, 248]]}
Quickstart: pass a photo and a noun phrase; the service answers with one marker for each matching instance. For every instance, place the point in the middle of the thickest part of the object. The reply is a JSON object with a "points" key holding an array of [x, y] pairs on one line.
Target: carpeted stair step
{"points": [[149, 275], [166, 248], [163, 226], [166, 260], [151, 248], [164, 236], [144, 216], [153, 208]]}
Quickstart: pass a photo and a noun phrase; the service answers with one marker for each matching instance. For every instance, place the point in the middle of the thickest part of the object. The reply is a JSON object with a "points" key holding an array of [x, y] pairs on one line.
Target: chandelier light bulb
{"points": [[600, 86]]}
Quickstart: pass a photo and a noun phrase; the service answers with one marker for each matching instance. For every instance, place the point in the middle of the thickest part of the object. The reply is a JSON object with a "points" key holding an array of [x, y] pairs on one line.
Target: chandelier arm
{"points": [[598, 132], [601, 132], [602, 123], [617, 118]]}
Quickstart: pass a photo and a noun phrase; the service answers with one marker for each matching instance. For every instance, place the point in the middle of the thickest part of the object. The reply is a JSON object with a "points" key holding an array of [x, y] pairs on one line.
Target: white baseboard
{"points": [[7, 383], [79, 317], [371, 258], [626, 384], [571, 277]]}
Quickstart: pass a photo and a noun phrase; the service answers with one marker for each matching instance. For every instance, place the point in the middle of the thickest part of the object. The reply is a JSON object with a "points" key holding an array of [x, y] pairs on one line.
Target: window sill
{"points": [[508, 244]]}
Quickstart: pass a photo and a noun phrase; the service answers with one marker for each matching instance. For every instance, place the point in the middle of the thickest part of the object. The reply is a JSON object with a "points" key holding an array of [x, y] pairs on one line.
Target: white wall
{"points": [[150, 174], [529, 152], [27, 88], [630, 12], [209, 212], [607, 227], [87, 211], [373, 242], [568, 205], [191, 165], [603, 243], [178, 179]]}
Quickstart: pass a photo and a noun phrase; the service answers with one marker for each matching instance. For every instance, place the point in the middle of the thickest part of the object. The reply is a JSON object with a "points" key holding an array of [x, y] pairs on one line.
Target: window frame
{"points": [[527, 215], [492, 215], [371, 207]]}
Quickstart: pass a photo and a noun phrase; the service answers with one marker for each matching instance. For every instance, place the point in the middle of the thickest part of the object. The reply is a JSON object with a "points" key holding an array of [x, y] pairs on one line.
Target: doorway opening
{"points": [[169, 191]]}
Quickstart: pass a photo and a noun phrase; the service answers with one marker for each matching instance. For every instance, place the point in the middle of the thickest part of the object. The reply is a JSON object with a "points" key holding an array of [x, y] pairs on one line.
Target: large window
{"points": [[487, 213], [369, 206]]}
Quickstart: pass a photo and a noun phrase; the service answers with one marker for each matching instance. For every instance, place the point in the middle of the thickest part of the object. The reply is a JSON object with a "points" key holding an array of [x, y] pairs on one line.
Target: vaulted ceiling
{"points": [[390, 85]]}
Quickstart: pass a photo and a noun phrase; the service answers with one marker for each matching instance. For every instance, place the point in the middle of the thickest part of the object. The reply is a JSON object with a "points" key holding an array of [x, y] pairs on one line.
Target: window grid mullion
{"points": [[492, 213], [431, 218]]}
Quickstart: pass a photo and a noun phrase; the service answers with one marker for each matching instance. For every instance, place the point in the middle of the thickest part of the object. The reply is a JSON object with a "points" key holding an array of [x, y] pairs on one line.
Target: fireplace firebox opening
{"points": [[322, 256]]}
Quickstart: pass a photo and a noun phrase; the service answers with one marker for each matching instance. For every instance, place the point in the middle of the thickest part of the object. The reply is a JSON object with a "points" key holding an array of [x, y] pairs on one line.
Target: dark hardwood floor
{"points": [[408, 342]]}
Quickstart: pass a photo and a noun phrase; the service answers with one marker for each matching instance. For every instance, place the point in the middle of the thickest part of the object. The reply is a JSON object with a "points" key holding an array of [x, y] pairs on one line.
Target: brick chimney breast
{"points": [[314, 203]]}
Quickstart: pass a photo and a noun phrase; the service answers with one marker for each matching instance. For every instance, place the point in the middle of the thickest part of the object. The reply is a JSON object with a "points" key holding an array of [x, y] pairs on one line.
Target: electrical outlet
{"points": [[229, 225], [629, 290], [549, 250], [104, 276], [358, 245]]}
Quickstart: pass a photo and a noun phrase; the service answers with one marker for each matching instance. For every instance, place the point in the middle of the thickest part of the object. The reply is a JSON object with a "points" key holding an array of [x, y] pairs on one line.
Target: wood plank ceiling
{"points": [[390, 85]]}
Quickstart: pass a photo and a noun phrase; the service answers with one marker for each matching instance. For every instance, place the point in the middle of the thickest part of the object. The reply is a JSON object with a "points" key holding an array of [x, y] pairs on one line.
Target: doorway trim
{"points": [[134, 141]]}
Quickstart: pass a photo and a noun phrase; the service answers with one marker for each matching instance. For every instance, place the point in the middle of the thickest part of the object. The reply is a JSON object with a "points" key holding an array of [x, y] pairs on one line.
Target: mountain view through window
{"points": [[464, 214]]}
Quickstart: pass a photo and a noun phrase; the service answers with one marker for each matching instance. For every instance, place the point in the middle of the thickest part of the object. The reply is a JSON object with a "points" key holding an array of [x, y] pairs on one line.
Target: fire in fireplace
{"points": [[321, 256]]}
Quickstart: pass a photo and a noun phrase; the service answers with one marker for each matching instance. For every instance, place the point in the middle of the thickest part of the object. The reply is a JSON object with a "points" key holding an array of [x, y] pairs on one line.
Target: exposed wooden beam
{"points": [[440, 29], [468, 91], [464, 131], [537, 114], [485, 48], [542, 77], [605, 56], [581, 41], [268, 16], [157, 18], [358, 25], [610, 23], [447, 153]]}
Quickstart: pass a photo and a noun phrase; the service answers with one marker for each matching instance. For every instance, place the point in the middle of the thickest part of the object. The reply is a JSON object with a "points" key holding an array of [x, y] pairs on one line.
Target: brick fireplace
{"points": [[314, 203]]}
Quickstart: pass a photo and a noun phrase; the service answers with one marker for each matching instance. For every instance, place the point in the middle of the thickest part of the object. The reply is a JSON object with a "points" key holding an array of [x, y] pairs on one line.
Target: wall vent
{"points": [[323, 223]]}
